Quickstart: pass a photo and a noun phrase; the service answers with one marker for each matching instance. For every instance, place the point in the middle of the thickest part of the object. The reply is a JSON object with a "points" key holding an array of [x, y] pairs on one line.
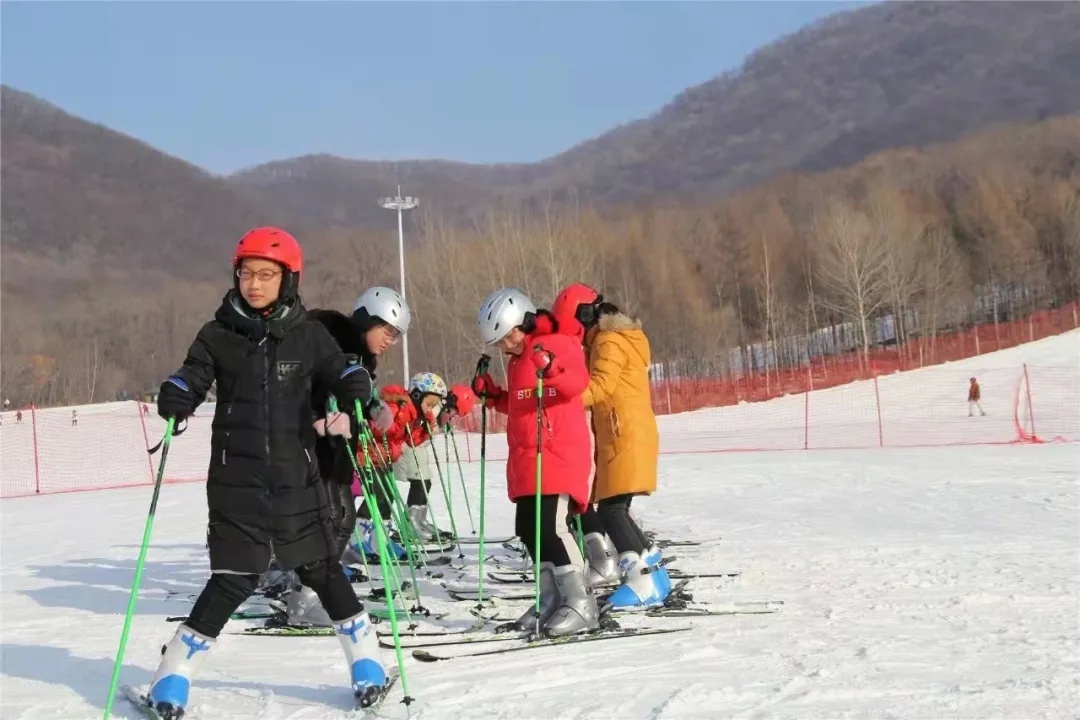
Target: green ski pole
{"points": [[115, 681], [539, 479], [481, 370], [384, 562], [450, 436]]}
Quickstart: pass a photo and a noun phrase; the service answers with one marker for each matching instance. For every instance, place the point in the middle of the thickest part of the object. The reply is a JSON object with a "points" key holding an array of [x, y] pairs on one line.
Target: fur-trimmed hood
{"points": [[628, 331], [617, 322]]}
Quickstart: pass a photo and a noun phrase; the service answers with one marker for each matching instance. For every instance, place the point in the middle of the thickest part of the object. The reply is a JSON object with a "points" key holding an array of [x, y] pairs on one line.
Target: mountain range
{"points": [[84, 204]]}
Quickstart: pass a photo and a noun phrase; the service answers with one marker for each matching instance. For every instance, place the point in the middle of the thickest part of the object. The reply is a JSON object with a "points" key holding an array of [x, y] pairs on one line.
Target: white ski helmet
{"points": [[427, 383], [501, 312], [384, 304]]}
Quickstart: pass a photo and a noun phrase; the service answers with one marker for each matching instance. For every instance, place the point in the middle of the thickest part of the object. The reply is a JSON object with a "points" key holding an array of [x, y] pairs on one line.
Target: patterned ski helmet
{"points": [[427, 383]]}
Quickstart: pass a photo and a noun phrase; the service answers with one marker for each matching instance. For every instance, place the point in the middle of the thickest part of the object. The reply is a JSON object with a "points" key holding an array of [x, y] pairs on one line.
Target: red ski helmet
{"points": [[575, 309], [271, 243]]}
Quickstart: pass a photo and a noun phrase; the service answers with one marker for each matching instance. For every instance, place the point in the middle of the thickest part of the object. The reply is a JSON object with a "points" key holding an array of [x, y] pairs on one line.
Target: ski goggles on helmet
{"points": [[589, 313]]}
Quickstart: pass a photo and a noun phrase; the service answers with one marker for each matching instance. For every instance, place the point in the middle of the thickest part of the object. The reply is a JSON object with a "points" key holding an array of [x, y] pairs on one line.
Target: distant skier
{"points": [[974, 398], [511, 321], [263, 487], [627, 438]]}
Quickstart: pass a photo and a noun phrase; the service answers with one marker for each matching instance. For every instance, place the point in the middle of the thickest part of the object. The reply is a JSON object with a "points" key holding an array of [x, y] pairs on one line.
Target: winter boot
{"points": [[577, 611], [646, 581], [275, 582], [366, 670], [601, 557], [366, 530], [425, 530], [180, 661], [303, 608], [549, 600]]}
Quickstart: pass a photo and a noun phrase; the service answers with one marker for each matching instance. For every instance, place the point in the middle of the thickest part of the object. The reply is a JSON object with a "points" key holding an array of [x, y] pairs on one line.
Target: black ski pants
{"points": [[625, 534], [612, 517], [419, 490], [225, 592], [557, 543]]}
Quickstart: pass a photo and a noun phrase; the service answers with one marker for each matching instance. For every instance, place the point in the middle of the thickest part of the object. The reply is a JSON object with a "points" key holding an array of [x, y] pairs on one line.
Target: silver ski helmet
{"points": [[502, 311], [382, 303]]}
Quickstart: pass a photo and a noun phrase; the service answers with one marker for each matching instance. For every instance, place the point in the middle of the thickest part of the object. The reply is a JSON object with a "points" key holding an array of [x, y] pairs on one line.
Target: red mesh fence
{"points": [[852, 404]]}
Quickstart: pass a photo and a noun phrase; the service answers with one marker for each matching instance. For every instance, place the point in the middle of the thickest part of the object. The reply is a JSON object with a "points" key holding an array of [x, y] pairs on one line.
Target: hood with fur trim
{"points": [[628, 328]]}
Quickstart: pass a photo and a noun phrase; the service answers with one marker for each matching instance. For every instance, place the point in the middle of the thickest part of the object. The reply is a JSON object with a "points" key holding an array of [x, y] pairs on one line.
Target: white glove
{"points": [[383, 419], [338, 425]]}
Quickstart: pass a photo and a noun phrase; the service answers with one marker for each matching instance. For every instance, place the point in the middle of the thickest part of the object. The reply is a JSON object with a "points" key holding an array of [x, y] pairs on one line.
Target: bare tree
{"points": [[851, 265]]}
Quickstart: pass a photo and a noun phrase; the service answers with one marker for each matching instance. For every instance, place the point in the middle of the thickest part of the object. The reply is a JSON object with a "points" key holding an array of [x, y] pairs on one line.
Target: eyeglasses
{"points": [[392, 334], [245, 275]]}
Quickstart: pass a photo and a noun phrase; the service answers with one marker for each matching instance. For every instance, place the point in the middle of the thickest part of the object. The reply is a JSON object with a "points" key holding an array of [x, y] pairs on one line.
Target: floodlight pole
{"points": [[401, 204]]}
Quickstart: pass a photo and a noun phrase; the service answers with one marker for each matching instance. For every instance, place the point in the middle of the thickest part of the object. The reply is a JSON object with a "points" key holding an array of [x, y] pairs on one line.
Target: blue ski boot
{"points": [[366, 530], [366, 670], [180, 661], [646, 583]]}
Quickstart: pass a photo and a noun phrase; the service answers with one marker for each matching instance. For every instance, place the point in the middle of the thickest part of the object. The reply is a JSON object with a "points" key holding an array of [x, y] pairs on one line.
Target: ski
{"points": [[441, 632], [676, 574], [506, 578], [705, 610], [451, 639], [238, 615], [369, 707], [487, 541], [287, 631], [468, 595], [140, 701], [427, 656]]}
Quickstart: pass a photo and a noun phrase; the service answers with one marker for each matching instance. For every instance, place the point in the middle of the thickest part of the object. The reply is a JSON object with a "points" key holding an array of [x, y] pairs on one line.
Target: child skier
{"points": [[510, 320], [427, 405], [380, 317], [627, 439], [263, 487]]}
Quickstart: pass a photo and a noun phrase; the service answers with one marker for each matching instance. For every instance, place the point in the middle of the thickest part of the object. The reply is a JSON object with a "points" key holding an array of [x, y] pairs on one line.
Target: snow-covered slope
{"points": [[925, 583]]}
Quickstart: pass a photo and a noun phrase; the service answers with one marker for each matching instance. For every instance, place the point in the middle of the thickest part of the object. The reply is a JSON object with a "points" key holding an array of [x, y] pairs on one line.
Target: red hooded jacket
{"points": [[567, 445], [408, 426]]}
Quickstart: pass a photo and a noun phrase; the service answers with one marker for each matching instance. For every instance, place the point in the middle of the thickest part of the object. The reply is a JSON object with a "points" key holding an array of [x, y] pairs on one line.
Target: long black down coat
{"points": [[334, 463], [263, 488]]}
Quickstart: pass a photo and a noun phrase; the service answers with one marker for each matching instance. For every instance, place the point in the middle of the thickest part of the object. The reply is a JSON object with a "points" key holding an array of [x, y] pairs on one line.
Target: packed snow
{"points": [[917, 583]]}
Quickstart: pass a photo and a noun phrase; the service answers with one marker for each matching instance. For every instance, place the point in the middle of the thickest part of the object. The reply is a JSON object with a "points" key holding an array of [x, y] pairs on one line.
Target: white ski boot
{"points": [[357, 554], [367, 672], [602, 560], [305, 608], [577, 612], [646, 583], [181, 659], [425, 529], [549, 601]]}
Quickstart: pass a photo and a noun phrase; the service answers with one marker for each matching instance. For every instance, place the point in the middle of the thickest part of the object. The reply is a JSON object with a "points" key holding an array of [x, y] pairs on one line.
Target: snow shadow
{"points": [[89, 678], [103, 585]]}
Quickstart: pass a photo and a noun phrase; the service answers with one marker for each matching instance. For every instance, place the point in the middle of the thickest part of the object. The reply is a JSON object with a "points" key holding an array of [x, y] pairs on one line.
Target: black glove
{"points": [[449, 409], [353, 384], [175, 399]]}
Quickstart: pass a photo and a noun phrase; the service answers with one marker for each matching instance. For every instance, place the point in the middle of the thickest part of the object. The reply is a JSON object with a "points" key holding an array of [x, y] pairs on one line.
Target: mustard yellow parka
{"points": [[627, 439]]}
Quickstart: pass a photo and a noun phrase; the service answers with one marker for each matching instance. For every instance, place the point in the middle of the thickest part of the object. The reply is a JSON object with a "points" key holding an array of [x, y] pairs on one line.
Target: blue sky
{"points": [[229, 85]]}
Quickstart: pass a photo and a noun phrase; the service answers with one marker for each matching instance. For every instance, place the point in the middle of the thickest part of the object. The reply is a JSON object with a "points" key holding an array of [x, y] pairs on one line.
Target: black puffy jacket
{"points": [[263, 487]]}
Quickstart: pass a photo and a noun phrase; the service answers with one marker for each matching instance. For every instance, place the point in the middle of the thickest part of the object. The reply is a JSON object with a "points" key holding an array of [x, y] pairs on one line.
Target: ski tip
{"points": [[425, 656]]}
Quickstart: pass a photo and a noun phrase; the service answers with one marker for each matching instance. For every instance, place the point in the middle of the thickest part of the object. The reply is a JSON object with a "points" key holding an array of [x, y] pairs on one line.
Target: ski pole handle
{"points": [[482, 366]]}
